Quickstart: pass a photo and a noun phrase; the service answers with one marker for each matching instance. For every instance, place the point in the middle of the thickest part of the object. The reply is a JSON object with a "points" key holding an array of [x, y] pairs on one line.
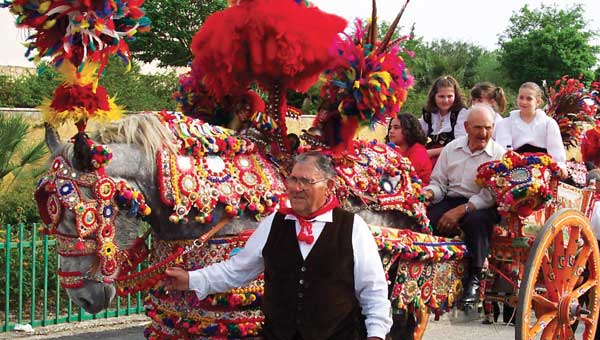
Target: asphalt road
{"points": [[453, 326], [447, 328]]}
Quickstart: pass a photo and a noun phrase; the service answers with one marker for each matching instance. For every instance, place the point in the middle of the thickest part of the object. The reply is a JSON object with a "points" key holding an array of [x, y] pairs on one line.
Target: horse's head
{"points": [[85, 209]]}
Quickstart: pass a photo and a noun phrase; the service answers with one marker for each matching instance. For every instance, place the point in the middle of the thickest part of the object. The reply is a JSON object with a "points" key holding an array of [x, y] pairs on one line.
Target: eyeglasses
{"points": [[302, 181]]}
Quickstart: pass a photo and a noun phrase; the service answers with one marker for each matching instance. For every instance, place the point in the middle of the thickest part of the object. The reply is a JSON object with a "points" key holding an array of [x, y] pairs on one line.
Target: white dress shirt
{"points": [[459, 129], [455, 171], [596, 220], [370, 284], [441, 123], [542, 131]]}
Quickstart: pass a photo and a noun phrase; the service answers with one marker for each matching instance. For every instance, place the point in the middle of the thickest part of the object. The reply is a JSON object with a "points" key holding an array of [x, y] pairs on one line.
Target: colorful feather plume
{"points": [[79, 98], [367, 86], [571, 105], [79, 31]]}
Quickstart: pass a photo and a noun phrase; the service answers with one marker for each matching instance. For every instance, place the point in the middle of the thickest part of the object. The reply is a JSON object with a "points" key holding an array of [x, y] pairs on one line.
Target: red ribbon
{"points": [[305, 234]]}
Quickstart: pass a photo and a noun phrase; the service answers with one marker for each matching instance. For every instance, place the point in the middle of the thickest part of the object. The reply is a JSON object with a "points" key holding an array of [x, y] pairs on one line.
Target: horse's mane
{"points": [[144, 130]]}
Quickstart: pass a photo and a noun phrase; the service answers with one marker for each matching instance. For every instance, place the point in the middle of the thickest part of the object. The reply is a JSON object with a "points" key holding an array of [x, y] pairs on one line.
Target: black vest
{"points": [[443, 138], [312, 298]]}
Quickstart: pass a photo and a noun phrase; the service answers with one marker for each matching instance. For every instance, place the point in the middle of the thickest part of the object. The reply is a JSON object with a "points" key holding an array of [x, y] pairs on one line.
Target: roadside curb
{"points": [[69, 329]]}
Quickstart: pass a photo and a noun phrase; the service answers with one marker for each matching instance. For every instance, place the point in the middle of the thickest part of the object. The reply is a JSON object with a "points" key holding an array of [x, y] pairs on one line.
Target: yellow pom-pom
{"points": [[43, 7], [49, 24], [147, 211]]}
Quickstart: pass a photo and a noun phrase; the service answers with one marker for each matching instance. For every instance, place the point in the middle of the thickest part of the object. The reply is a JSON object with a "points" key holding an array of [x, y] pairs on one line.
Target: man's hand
{"points": [[428, 196], [563, 173], [178, 279], [448, 223]]}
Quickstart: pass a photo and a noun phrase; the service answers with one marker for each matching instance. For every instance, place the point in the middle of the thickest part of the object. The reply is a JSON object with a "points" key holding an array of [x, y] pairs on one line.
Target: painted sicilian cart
{"points": [[544, 256]]}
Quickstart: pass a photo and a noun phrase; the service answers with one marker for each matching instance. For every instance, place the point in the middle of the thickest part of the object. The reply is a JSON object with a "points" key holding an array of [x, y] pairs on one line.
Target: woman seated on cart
{"points": [[457, 203]]}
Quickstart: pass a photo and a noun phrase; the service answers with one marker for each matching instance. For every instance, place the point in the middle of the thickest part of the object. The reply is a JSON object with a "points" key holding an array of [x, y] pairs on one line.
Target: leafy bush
{"points": [[18, 205]]}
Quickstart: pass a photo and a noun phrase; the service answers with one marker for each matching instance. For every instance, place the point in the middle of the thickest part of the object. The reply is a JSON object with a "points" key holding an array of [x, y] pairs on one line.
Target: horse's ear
{"points": [[52, 138]]}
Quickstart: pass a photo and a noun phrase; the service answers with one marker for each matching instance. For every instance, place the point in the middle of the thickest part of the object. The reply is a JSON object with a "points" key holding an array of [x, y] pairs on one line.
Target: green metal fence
{"points": [[30, 285]]}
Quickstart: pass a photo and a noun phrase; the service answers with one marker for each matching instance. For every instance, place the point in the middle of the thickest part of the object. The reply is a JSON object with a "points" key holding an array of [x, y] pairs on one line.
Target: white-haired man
{"points": [[457, 201]]}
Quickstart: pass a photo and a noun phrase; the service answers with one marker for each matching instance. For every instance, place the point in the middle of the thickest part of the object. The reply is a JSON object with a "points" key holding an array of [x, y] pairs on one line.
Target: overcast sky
{"points": [[478, 22]]}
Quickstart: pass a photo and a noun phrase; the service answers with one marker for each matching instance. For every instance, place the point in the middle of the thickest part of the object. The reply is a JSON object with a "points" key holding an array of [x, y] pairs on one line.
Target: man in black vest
{"points": [[323, 276]]}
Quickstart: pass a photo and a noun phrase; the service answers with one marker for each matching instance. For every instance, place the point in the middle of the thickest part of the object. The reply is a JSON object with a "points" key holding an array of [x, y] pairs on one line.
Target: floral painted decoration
{"points": [[429, 268], [572, 105], [181, 315], [521, 182], [213, 166], [381, 178]]}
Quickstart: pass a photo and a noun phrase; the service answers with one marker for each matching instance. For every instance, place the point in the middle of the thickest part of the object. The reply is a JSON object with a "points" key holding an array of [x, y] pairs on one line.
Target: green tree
{"points": [[28, 90], [174, 23], [547, 43], [444, 57], [15, 155], [136, 91]]}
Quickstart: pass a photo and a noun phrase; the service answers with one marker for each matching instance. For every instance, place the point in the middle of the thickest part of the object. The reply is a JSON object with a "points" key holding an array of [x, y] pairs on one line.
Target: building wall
{"points": [[16, 71]]}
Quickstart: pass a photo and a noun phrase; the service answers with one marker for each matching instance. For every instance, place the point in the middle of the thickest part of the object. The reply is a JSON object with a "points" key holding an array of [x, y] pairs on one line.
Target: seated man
{"points": [[458, 202]]}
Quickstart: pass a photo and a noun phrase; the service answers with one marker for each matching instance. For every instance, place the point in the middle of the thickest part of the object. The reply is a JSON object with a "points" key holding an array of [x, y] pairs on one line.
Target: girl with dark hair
{"points": [[406, 133], [488, 94], [440, 114]]}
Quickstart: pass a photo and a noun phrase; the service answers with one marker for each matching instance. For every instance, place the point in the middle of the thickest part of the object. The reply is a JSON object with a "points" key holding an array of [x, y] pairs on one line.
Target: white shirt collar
{"points": [[463, 143], [326, 217]]}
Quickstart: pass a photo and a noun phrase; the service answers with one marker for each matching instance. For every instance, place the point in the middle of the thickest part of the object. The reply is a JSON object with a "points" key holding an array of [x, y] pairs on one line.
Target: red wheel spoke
{"points": [[549, 277], [567, 332], [549, 331], [574, 235], [543, 304], [589, 326], [586, 320], [587, 285], [580, 262], [543, 323], [559, 260]]}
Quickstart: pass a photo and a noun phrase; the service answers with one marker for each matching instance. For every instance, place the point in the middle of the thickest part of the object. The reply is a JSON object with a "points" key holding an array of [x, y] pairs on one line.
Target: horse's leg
{"points": [[422, 318], [403, 327]]}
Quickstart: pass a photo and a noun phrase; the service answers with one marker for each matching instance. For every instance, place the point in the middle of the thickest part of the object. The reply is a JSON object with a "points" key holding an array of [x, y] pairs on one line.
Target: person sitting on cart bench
{"points": [[457, 201], [323, 275]]}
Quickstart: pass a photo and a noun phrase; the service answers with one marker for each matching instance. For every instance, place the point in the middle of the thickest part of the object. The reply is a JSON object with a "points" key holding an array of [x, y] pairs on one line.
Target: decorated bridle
{"points": [[59, 190]]}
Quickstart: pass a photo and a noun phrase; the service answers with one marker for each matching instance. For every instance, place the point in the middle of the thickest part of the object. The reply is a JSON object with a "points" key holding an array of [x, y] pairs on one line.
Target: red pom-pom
{"points": [[524, 210], [80, 245]]}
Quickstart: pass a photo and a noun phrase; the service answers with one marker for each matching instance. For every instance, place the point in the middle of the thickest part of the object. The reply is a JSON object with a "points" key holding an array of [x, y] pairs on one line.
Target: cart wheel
{"points": [[422, 316], [549, 296]]}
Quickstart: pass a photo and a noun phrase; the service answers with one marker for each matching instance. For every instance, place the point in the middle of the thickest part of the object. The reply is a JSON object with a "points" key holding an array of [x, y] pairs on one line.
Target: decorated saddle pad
{"points": [[377, 175], [424, 270], [214, 166]]}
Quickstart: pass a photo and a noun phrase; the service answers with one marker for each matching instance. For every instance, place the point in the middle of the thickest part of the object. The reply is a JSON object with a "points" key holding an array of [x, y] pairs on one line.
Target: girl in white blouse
{"points": [[529, 129]]}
